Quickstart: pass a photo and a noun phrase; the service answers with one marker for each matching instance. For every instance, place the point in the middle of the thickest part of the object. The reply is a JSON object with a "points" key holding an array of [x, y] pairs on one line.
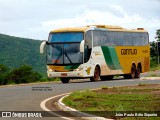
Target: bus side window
{"points": [[96, 38], [121, 40], [88, 46], [102, 38], [113, 37], [146, 39], [88, 39], [128, 38], [141, 39], [115, 34], [86, 53], [105, 38], [135, 39]]}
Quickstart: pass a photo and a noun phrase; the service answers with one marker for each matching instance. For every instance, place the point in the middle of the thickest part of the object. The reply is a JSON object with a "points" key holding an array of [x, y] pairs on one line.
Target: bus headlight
{"points": [[80, 74], [78, 69], [50, 70], [49, 75]]}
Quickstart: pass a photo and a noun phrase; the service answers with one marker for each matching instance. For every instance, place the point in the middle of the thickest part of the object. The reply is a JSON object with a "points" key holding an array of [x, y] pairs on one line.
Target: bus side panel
{"points": [[107, 58], [133, 54], [111, 57]]}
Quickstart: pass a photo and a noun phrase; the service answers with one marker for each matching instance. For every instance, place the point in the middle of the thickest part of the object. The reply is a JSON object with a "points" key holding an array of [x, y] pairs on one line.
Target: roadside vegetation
{"points": [[16, 51], [23, 74], [132, 98], [154, 52]]}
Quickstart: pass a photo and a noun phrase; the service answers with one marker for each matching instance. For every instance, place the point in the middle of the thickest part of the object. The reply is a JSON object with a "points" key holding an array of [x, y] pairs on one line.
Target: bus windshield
{"points": [[66, 37], [64, 48]]}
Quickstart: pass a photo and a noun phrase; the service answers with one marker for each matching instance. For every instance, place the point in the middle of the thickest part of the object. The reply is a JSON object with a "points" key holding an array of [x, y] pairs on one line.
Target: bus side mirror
{"points": [[42, 46], [82, 46]]}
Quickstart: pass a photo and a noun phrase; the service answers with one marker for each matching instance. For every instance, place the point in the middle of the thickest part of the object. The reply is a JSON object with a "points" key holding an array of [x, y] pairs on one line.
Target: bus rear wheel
{"points": [[96, 74], [138, 71], [133, 72], [132, 75], [65, 80]]}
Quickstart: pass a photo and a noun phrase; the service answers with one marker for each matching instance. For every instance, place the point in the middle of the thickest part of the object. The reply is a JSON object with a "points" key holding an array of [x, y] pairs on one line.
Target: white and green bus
{"points": [[96, 52]]}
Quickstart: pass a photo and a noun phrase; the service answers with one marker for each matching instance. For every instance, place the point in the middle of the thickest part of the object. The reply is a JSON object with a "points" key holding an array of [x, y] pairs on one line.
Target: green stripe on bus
{"points": [[111, 57], [71, 67]]}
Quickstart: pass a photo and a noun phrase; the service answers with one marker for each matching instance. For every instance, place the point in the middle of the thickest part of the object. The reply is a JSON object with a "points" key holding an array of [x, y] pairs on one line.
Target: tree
{"points": [[153, 49], [4, 70], [158, 35], [24, 74], [154, 52]]}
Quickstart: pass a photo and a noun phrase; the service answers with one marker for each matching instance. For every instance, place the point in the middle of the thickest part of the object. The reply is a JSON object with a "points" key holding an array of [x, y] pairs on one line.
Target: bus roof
{"points": [[71, 29], [104, 27]]}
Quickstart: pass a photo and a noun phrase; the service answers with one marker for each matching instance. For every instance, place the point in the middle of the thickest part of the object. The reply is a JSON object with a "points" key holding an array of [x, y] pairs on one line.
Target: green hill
{"points": [[15, 51]]}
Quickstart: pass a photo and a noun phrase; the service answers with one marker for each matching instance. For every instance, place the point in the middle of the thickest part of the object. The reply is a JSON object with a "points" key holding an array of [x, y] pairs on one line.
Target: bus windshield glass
{"points": [[66, 37], [64, 48]]}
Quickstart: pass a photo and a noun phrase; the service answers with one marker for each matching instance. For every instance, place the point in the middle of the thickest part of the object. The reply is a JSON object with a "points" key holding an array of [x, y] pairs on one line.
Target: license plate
{"points": [[64, 74]]}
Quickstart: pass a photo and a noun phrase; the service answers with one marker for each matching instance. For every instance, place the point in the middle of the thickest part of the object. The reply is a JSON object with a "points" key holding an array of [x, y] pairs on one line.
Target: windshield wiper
{"points": [[67, 56]]}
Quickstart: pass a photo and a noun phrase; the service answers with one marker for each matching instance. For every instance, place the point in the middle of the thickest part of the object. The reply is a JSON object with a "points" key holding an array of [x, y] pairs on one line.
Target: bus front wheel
{"points": [[64, 80], [96, 74]]}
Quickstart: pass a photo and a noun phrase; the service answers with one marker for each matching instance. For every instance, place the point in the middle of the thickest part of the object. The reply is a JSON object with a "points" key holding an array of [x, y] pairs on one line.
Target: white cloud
{"points": [[101, 17], [35, 18]]}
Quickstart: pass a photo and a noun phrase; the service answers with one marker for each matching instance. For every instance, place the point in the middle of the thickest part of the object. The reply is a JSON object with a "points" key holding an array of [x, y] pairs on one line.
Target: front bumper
{"points": [[71, 74]]}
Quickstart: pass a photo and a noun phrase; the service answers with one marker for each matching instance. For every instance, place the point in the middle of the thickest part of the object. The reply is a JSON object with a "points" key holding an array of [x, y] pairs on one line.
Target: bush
{"points": [[154, 62], [24, 74], [4, 70]]}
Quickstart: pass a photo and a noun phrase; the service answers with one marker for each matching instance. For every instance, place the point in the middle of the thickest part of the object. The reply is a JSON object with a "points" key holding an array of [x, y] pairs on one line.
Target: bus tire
{"points": [[133, 71], [109, 77], [65, 80], [96, 74], [138, 71], [132, 75]]}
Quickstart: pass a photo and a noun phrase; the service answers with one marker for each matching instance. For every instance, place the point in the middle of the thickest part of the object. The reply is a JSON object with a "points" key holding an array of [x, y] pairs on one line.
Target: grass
{"points": [[112, 102], [141, 84], [154, 75], [104, 87], [116, 99], [116, 76], [154, 68], [154, 71]]}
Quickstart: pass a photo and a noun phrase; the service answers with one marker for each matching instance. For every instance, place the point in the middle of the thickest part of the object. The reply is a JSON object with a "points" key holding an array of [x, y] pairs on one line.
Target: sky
{"points": [[36, 18]]}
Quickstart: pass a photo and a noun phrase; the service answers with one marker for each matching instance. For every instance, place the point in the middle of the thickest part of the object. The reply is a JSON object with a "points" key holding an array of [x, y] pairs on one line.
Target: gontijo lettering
{"points": [[128, 51]]}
